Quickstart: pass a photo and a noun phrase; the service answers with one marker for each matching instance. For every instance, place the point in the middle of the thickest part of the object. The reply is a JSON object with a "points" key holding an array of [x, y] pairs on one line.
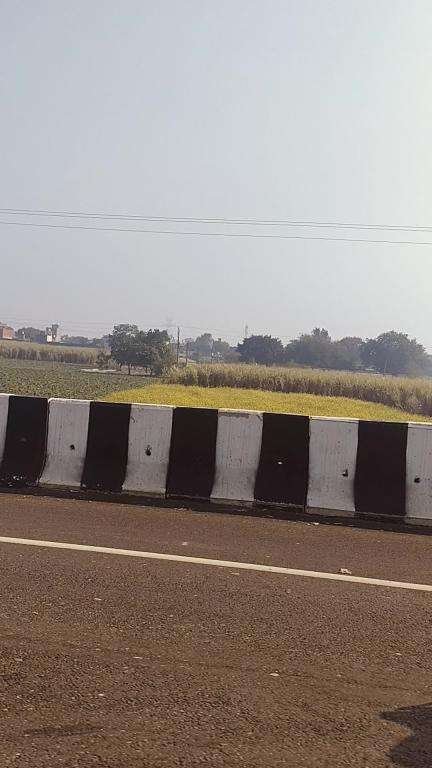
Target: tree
{"points": [[123, 346], [203, 346], [266, 350], [232, 355], [221, 350], [395, 353], [84, 341], [317, 349], [346, 353], [76, 341], [311, 349], [153, 351], [102, 342], [145, 349]]}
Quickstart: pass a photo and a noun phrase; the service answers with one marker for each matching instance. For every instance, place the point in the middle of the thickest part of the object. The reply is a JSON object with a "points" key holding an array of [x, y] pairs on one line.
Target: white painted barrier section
{"points": [[332, 462], [149, 448], [419, 472], [66, 442], [4, 408], [238, 447]]}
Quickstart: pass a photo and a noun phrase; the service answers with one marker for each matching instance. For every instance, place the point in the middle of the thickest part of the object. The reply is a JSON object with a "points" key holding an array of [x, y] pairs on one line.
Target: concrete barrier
{"points": [[149, 449], [23, 449], [419, 472], [4, 408], [238, 445], [66, 443], [332, 464], [335, 466]]}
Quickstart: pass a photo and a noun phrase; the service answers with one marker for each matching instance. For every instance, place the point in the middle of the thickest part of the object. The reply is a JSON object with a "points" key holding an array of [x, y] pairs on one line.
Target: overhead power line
{"points": [[79, 326], [215, 220], [216, 234]]}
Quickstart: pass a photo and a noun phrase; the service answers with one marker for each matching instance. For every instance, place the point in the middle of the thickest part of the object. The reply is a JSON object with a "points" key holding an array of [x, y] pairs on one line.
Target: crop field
{"points": [[406, 394], [259, 400], [25, 377], [25, 350], [51, 379]]}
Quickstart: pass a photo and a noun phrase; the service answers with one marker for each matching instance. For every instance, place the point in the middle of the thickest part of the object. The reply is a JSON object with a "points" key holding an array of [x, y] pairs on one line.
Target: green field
{"points": [[258, 400], [26, 377]]}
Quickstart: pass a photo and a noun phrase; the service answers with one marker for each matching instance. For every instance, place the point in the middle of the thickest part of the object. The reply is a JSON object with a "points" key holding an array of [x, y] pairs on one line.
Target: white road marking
{"points": [[217, 563]]}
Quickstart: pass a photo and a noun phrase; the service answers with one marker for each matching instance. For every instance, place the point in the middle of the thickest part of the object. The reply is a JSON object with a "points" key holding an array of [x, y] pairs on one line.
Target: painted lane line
{"points": [[217, 563]]}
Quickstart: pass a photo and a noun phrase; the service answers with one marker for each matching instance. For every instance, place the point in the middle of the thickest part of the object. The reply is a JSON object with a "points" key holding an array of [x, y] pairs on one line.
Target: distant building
{"points": [[52, 334], [6, 332]]}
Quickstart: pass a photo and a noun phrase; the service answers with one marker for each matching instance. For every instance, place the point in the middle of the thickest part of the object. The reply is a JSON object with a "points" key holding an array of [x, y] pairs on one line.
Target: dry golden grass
{"points": [[408, 395], [26, 350], [258, 400]]}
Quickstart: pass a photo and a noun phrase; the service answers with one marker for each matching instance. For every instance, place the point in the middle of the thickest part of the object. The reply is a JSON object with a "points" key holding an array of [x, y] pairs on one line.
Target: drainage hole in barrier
{"points": [[72, 447]]}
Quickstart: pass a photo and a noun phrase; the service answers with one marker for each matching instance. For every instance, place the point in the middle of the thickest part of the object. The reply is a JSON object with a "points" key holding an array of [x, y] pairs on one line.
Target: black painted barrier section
{"points": [[283, 469], [107, 447], [25, 442], [192, 461], [380, 479]]}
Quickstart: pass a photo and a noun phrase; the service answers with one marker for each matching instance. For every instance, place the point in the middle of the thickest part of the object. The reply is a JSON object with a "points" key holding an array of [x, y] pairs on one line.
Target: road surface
{"points": [[121, 661]]}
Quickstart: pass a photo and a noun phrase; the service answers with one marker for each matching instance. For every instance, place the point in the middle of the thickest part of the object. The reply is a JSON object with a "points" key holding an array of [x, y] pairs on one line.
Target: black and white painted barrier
{"points": [[331, 465]]}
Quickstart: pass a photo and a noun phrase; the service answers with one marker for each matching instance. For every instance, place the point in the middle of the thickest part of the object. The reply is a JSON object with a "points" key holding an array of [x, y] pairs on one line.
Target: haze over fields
{"points": [[311, 111]]}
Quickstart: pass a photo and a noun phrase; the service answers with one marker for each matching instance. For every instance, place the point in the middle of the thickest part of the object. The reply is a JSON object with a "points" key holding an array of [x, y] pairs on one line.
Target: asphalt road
{"points": [[128, 662]]}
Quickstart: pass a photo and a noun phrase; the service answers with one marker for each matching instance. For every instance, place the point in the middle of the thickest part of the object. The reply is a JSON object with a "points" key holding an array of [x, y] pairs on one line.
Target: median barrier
{"points": [[328, 465]]}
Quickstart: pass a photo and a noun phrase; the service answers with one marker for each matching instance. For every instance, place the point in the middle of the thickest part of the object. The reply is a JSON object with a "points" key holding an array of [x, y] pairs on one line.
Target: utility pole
{"points": [[246, 331], [178, 344], [187, 352]]}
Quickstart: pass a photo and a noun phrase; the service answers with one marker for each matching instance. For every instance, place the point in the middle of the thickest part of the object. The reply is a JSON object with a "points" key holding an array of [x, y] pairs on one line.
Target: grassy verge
{"points": [[258, 400], [408, 395], [25, 377]]}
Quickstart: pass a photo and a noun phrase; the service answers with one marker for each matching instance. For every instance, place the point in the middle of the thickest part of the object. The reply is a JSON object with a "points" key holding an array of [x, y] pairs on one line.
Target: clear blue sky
{"points": [[305, 109]]}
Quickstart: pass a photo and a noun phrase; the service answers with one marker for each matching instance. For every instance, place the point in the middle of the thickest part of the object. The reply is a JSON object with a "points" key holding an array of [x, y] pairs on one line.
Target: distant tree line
{"points": [[391, 352], [206, 349], [83, 341]]}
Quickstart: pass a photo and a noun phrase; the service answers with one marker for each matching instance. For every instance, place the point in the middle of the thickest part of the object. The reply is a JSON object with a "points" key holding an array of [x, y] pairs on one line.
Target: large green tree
{"points": [[346, 353], [202, 347], [311, 349], [122, 344], [144, 349], [266, 350], [395, 353], [318, 350], [153, 351], [221, 350]]}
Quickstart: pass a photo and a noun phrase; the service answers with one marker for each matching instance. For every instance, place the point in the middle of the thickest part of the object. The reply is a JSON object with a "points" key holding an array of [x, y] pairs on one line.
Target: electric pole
{"points": [[178, 344]]}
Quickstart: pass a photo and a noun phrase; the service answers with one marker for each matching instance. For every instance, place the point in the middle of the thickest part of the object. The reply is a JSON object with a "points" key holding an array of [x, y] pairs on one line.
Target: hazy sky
{"points": [[286, 109]]}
